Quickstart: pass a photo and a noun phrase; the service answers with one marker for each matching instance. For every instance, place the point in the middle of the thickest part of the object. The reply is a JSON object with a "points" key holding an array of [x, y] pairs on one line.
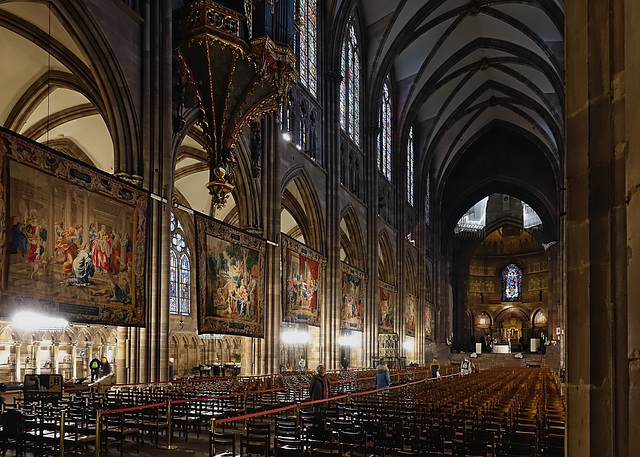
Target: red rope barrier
{"points": [[248, 416], [187, 400], [132, 408]]}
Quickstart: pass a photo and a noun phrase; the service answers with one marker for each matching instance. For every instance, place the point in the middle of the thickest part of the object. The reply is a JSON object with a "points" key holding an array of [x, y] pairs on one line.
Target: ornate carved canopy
{"points": [[237, 80]]}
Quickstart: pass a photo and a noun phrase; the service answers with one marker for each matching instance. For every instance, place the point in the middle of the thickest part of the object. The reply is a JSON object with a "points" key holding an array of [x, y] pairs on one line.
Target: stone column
{"points": [[74, 369], [602, 225], [267, 351], [121, 368], [36, 355], [56, 350], [329, 350], [89, 352], [18, 346]]}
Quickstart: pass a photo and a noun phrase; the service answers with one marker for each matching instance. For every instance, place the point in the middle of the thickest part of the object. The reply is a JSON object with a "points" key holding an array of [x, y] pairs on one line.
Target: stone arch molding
{"points": [[351, 238], [82, 61], [310, 210]]}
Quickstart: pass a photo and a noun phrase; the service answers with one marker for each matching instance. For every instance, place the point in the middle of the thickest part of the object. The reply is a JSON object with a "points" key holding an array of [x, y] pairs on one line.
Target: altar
{"points": [[501, 349]]}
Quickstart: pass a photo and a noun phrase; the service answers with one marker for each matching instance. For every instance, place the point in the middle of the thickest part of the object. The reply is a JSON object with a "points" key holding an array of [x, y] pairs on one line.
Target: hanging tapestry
{"points": [[386, 307], [75, 242], [428, 326], [410, 315], [230, 280], [302, 277], [353, 293]]}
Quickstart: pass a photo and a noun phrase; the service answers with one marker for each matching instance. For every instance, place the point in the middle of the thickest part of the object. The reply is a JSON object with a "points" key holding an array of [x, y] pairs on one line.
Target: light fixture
{"points": [[211, 336], [27, 320], [294, 336], [408, 345], [350, 340], [286, 136]]}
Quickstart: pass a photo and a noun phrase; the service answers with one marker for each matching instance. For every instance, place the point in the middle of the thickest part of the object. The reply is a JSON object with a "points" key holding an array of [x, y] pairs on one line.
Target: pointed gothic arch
{"points": [[386, 259], [300, 199], [351, 242], [90, 65]]}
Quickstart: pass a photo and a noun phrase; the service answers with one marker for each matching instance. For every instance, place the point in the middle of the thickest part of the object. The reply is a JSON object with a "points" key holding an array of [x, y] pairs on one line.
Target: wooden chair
{"points": [[222, 444], [254, 445], [317, 449], [287, 447], [117, 431]]}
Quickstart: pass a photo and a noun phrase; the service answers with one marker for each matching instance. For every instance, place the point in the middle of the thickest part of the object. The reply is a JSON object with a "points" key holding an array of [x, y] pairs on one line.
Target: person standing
{"points": [[95, 366], [302, 363], [382, 378], [464, 367], [106, 367], [320, 386], [435, 368], [344, 363]]}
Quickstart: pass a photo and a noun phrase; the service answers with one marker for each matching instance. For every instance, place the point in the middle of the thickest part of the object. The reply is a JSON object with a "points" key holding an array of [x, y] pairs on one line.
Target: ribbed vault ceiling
{"points": [[48, 91], [462, 69]]}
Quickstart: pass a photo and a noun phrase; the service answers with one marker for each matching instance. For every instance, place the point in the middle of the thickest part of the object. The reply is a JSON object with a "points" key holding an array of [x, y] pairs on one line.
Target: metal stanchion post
{"points": [[212, 444], [169, 429], [245, 409], [98, 443], [297, 413], [62, 432]]}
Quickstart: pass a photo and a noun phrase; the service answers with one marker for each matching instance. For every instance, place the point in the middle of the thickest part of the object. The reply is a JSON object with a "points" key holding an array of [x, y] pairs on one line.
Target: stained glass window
{"points": [[179, 271], [173, 280], [384, 142], [185, 285], [350, 86], [511, 283], [308, 34], [410, 167]]}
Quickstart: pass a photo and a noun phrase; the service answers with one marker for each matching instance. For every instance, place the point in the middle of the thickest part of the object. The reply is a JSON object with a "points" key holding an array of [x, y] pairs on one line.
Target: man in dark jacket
{"points": [[95, 366], [382, 377], [320, 386]]}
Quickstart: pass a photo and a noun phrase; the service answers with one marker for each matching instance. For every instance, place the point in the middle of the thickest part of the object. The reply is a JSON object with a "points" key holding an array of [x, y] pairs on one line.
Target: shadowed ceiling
{"points": [[462, 70]]}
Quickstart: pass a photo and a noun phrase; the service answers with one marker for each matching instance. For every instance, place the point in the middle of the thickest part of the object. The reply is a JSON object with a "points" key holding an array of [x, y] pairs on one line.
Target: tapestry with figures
{"points": [[410, 315], [386, 307], [353, 293], [230, 282], [75, 241], [302, 267], [428, 326]]}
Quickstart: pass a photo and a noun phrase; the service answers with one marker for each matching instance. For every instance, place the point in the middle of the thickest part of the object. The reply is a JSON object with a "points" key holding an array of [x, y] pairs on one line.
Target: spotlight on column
{"points": [[408, 345], [27, 320], [294, 336], [350, 340]]}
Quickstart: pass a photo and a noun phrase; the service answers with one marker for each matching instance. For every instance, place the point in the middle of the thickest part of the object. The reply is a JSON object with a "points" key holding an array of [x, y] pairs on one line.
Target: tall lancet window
{"points": [[410, 167], [308, 40], [350, 86], [512, 283], [179, 272], [384, 141]]}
